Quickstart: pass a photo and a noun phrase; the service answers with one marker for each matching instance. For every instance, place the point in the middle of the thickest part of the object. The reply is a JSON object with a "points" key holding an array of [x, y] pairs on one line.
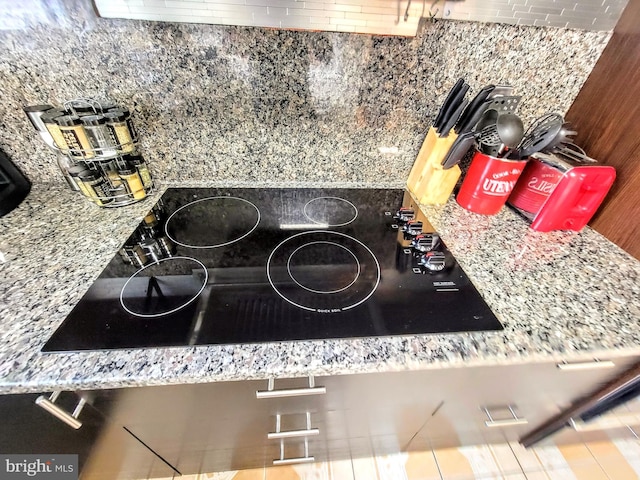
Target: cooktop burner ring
{"points": [[355, 279], [336, 201], [172, 310], [361, 294], [220, 244]]}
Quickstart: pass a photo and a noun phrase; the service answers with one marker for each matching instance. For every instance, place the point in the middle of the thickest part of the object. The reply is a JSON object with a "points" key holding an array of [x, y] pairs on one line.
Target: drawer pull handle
{"points": [[307, 432], [270, 392], [509, 422], [290, 461], [50, 406], [586, 365], [605, 422]]}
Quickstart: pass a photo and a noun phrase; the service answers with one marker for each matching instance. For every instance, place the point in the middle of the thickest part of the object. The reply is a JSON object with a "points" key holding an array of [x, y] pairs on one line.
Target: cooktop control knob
{"points": [[433, 261], [425, 242], [405, 214], [412, 228]]}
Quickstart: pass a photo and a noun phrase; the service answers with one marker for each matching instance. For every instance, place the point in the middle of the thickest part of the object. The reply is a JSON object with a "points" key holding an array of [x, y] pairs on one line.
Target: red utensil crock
{"points": [[489, 183]]}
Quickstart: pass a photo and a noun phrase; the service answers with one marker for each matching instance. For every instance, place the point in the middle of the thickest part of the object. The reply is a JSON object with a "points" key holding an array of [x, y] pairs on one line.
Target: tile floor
{"points": [[597, 460]]}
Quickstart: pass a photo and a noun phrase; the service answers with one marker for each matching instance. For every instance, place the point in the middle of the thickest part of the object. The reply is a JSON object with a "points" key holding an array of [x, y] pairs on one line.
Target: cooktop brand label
{"points": [[51, 467], [444, 284]]}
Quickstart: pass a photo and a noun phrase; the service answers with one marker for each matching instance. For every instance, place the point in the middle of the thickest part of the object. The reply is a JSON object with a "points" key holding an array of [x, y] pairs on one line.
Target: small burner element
{"points": [[323, 271], [330, 211], [212, 222], [164, 287]]}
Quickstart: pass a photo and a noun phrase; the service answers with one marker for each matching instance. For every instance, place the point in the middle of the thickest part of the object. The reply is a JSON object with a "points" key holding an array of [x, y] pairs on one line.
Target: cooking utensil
{"points": [[489, 117], [563, 137], [573, 152], [489, 140], [501, 91], [443, 108], [540, 134], [474, 110], [452, 109], [458, 150], [510, 130], [447, 127]]}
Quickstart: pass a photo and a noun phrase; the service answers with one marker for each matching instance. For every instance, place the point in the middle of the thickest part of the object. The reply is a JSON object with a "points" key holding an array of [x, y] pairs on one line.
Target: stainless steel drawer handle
{"points": [[270, 392], [307, 432], [509, 422], [605, 422], [70, 419], [289, 461], [593, 364]]}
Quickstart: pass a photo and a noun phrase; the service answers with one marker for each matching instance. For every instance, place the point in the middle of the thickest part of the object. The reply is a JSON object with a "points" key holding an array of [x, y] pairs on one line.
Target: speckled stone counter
{"points": [[560, 296]]}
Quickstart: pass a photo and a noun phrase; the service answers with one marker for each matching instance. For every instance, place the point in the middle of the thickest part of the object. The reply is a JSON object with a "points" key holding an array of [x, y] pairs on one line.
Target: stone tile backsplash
{"points": [[249, 103]]}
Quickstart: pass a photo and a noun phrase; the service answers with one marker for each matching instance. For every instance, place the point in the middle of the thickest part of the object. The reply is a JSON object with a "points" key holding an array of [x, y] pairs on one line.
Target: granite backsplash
{"points": [[245, 103]]}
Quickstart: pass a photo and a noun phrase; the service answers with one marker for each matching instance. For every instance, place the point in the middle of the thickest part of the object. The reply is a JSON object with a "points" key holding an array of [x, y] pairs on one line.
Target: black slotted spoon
{"points": [[540, 135]]}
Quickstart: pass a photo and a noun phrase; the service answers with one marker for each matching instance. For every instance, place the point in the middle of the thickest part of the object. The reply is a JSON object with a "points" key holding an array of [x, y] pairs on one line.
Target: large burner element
{"points": [[330, 211], [323, 271], [212, 222], [163, 287]]}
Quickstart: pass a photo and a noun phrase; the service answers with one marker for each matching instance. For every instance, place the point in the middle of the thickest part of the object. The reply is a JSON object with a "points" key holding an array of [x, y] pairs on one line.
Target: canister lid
{"points": [[68, 120], [77, 170], [50, 115], [115, 116], [89, 175], [124, 111], [135, 160], [93, 120], [36, 108]]}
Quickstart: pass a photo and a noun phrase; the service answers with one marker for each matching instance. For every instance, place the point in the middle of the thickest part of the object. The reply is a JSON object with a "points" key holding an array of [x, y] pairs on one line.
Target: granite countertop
{"points": [[560, 296]]}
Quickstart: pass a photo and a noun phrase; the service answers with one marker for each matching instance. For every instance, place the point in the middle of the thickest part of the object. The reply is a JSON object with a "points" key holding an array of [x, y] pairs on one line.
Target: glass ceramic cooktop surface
{"points": [[227, 266]]}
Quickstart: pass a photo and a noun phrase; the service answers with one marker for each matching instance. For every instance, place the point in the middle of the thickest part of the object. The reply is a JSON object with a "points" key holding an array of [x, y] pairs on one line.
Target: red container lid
{"points": [[575, 199]]}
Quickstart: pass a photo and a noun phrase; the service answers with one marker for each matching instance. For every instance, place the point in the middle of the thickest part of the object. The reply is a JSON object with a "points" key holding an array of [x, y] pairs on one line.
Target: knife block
{"points": [[428, 181]]}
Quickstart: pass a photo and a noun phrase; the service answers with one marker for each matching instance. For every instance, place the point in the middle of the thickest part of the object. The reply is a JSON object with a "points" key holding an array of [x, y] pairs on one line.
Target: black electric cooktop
{"points": [[222, 266]]}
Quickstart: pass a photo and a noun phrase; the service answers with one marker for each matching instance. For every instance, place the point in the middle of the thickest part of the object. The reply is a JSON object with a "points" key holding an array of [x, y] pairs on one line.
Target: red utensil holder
{"points": [[488, 183]]}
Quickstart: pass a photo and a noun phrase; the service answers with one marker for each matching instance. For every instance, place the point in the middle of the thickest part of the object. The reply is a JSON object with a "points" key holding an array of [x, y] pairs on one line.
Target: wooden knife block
{"points": [[428, 181]]}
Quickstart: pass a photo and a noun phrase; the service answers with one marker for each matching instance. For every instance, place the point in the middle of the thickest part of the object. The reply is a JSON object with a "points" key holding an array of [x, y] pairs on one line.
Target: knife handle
{"points": [[447, 101]]}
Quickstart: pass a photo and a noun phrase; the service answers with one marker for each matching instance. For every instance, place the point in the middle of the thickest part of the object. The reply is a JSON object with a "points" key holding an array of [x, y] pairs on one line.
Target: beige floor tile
{"points": [[515, 476], [629, 448], [421, 466], [391, 467], [482, 461], [536, 475], [283, 472], [526, 457], [561, 474], [341, 470], [582, 462], [612, 461], [551, 457], [505, 459], [452, 463], [364, 469], [252, 474]]}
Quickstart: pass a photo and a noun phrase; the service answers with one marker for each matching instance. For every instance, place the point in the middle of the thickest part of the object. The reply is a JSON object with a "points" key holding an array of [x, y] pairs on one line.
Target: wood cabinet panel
{"points": [[605, 115]]}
